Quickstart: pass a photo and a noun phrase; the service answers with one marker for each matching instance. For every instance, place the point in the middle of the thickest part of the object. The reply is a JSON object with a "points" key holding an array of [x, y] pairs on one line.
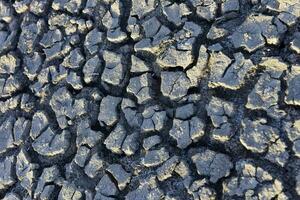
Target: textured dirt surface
{"points": [[150, 99]]}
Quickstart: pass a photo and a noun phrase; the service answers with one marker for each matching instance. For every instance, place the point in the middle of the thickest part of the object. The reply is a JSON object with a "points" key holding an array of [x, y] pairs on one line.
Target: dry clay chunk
{"points": [[213, 164], [293, 91]]}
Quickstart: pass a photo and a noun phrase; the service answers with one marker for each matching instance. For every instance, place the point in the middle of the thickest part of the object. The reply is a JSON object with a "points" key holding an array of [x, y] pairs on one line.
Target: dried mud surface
{"points": [[149, 99]]}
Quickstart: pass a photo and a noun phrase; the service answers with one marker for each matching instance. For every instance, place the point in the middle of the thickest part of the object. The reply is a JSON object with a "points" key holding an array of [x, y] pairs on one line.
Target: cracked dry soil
{"points": [[149, 99]]}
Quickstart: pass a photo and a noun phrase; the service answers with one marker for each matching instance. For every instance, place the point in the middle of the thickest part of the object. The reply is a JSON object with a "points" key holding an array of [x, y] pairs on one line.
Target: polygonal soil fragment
{"points": [[252, 182], [7, 172], [220, 112], [265, 94], [140, 86], [165, 171], [226, 74], [186, 132], [256, 31], [120, 175], [180, 53], [114, 70], [293, 131], [108, 115], [258, 138], [213, 164], [147, 189], [26, 171], [142, 7], [293, 80], [206, 9], [174, 84], [94, 166], [155, 157], [175, 13], [106, 187], [50, 143], [65, 107], [153, 118]]}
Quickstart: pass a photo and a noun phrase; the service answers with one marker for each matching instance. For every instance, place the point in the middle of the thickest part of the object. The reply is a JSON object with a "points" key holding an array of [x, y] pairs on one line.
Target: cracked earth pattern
{"points": [[149, 99]]}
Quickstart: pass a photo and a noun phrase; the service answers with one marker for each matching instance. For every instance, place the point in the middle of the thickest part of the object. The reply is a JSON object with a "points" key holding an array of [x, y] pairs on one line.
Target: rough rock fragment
{"points": [[206, 9], [108, 115], [154, 118], [9, 63], [138, 65], [293, 80], [11, 196], [94, 166], [155, 157], [213, 164], [175, 13], [74, 80], [114, 71], [186, 132], [165, 171], [174, 84], [69, 191], [131, 144], [92, 40], [132, 116], [151, 141], [50, 38], [7, 172], [21, 130], [199, 189], [29, 37], [50, 143], [39, 7], [140, 86], [82, 156], [73, 6], [106, 186], [6, 12], [40, 122], [216, 33], [32, 64], [91, 69], [74, 60], [256, 136], [6, 135], [157, 37], [115, 139], [10, 86], [227, 75], [290, 6], [58, 50], [120, 175], [26, 171], [148, 189], [49, 175], [293, 131], [87, 136], [295, 43], [65, 107], [184, 112], [141, 8], [230, 6]]}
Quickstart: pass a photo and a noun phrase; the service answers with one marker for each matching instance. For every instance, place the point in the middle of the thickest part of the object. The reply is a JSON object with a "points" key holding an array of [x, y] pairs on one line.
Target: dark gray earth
{"points": [[149, 99]]}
